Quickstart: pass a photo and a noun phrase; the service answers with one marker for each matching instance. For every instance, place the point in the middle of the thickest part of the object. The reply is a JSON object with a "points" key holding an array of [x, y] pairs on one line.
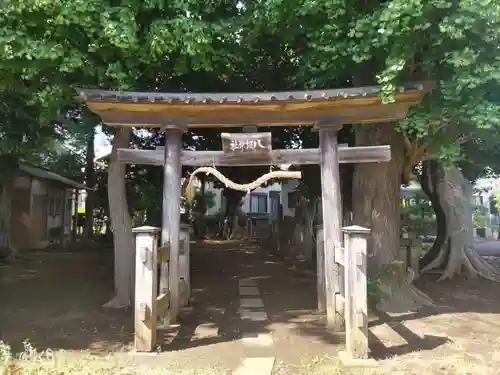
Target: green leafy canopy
{"points": [[47, 48]]}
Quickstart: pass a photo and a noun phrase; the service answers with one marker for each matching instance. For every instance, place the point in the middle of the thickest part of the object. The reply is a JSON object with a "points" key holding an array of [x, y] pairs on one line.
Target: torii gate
{"points": [[327, 110]]}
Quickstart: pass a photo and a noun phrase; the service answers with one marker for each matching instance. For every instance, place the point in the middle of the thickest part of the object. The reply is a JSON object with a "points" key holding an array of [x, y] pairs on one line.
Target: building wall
{"points": [[263, 191], [55, 202], [287, 197], [218, 199], [20, 232], [37, 207], [59, 213], [68, 216], [246, 208], [39, 213]]}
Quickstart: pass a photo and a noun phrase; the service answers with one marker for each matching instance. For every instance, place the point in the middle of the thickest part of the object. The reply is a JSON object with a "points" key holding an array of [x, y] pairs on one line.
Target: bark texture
{"points": [[376, 195], [456, 256], [233, 213], [308, 240], [9, 166], [201, 208], [429, 180], [376, 205], [304, 235], [238, 224], [90, 181], [7, 250], [121, 224]]}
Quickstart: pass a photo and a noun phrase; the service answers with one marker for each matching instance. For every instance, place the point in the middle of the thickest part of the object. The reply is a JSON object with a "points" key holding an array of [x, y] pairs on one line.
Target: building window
{"points": [[54, 204], [274, 202], [69, 204], [292, 199], [40, 201], [58, 203], [51, 205], [477, 200], [258, 203]]}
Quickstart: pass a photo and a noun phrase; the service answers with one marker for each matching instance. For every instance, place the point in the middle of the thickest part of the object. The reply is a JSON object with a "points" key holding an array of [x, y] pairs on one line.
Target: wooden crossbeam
{"points": [[365, 154]]}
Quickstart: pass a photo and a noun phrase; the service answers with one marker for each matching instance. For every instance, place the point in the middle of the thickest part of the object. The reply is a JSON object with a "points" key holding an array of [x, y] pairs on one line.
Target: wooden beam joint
{"points": [[167, 128], [338, 125], [144, 313], [162, 303]]}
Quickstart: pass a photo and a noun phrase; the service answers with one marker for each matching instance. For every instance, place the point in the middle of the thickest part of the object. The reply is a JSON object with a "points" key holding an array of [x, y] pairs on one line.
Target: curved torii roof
{"points": [[211, 110]]}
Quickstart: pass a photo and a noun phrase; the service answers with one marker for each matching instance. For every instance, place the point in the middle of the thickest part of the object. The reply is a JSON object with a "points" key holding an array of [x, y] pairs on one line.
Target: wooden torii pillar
{"points": [[327, 109], [171, 219], [328, 156], [332, 223]]}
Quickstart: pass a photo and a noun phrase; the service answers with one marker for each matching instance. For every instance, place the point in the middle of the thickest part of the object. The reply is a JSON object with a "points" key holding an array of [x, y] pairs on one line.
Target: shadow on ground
{"points": [[54, 299]]}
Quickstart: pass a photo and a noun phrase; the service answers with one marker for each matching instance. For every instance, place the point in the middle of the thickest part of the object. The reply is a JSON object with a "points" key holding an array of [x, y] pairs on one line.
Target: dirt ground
{"points": [[53, 300]]}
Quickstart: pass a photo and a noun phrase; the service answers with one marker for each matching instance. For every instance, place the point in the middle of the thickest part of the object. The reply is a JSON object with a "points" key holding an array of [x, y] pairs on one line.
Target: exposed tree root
{"points": [[438, 262], [239, 231], [456, 256], [462, 261], [403, 296], [116, 302], [8, 254]]}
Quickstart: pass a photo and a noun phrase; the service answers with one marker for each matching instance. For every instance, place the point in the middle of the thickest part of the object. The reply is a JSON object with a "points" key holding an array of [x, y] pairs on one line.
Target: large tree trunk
{"points": [[238, 220], [9, 165], [457, 255], [121, 224], [199, 210], [429, 180], [90, 181], [376, 205], [376, 189], [303, 232], [233, 213], [308, 232], [202, 209], [7, 251], [227, 220]]}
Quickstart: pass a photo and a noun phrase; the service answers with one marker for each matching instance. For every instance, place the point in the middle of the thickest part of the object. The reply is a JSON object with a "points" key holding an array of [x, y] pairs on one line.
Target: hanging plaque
{"points": [[246, 145]]}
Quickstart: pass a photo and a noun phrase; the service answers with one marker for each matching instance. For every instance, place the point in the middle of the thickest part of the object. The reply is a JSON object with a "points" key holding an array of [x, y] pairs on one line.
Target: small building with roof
{"points": [[42, 208]]}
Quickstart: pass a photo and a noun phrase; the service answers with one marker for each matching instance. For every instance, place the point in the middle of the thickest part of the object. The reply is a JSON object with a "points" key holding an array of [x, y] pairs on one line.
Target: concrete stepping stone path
{"points": [[252, 309]]}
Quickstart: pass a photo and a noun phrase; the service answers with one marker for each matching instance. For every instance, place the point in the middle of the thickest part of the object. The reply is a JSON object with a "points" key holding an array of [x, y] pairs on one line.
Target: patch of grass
{"points": [[391, 366], [392, 271], [33, 362], [325, 366], [29, 361]]}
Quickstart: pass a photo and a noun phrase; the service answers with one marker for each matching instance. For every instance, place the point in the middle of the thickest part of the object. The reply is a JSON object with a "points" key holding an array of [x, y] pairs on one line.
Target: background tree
{"points": [[49, 49], [21, 139], [475, 158], [454, 44]]}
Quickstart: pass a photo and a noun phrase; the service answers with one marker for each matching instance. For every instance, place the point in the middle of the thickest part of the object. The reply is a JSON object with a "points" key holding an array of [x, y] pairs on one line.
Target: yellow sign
{"points": [[164, 254]]}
